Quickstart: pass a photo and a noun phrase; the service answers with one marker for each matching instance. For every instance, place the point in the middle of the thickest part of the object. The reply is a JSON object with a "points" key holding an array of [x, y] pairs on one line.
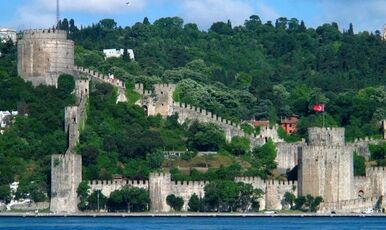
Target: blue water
{"points": [[158, 223]]}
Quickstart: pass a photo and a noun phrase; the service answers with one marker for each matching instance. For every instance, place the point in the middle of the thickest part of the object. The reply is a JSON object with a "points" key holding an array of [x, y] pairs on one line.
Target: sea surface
{"points": [[217, 223]]}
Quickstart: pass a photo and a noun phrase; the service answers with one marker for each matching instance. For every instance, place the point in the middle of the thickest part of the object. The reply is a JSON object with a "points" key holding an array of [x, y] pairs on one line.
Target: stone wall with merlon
{"points": [[186, 189], [377, 177], [326, 136], [348, 206], [362, 187], [107, 187]]}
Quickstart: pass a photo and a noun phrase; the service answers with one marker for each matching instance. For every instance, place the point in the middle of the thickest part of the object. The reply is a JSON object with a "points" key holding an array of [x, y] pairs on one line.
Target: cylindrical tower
{"points": [[43, 55]]}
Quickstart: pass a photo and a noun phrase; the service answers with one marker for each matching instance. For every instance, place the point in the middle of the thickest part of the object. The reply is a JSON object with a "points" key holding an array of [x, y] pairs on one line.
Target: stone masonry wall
{"points": [[274, 191], [107, 187], [66, 175], [120, 85], [160, 186], [326, 165], [287, 155], [348, 206], [326, 171]]}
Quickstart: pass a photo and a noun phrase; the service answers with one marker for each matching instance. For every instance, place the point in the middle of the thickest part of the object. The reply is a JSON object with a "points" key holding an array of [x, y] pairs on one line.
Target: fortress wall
{"points": [[274, 193], [348, 206], [189, 113], [274, 190], [66, 169], [107, 187], [287, 155], [186, 189], [377, 177], [66, 175], [100, 77], [362, 187], [326, 171]]}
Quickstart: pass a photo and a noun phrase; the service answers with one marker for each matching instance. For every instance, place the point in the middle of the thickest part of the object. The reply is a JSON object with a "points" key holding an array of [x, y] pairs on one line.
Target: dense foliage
{"points": [[260, 70], [26, 147]]}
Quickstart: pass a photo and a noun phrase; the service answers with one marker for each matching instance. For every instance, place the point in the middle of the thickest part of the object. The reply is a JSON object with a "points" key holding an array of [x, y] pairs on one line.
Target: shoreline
{"points": [[191, 215]]}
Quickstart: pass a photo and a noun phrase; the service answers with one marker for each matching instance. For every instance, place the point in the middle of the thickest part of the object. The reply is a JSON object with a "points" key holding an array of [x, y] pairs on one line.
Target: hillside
{"points": [[258, 70]]}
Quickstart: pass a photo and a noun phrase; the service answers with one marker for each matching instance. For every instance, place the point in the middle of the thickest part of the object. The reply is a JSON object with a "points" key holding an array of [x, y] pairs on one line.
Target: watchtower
{"points": [[326, 165], [43, 55]]}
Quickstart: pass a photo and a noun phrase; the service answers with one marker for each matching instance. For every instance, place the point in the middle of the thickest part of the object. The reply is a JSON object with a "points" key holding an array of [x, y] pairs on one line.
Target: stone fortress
{"points": [[325, 162]]}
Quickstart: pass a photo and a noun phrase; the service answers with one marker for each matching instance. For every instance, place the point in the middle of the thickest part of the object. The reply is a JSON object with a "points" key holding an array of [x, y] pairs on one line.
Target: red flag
{"points": [[318, 108]]}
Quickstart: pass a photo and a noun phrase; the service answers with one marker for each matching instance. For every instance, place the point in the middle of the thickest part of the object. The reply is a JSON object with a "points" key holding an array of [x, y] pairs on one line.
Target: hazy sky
{"points": [[367, 15]]}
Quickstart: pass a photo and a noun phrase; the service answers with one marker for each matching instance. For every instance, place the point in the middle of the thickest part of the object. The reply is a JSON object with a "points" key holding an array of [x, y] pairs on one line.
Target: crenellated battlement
{"points": [[160, 174], [45, 34], [189, 184], [345, 206], [122, 182], [326, 136], [316, 150], [101, 77], [204, 114], [373, 170], [258, 180]]}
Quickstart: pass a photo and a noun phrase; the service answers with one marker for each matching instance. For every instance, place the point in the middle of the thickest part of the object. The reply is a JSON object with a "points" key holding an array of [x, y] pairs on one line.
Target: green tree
{"points": [[194, 203], [359, 165], [82, 191], [289, 199], [96, 201], [263, 158], [239, 146], [175, 202], [5, 193]]}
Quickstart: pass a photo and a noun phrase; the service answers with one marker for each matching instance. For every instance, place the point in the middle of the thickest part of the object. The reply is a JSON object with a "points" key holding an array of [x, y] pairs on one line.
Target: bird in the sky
{"points": [[128, 3]]}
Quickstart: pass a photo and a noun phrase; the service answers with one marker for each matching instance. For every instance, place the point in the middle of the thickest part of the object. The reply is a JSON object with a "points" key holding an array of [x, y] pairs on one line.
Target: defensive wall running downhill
{"points": [[160, 101], [94, 75], [66, 169]]}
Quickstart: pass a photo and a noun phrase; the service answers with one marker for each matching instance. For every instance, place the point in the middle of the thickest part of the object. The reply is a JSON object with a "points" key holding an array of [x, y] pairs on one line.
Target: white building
{"points": [[6, 118], [110, 53], [7, 34]]}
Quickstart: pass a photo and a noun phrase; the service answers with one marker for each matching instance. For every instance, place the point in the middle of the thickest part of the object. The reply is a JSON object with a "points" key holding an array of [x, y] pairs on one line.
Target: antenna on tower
{"points": [[57, 13]]}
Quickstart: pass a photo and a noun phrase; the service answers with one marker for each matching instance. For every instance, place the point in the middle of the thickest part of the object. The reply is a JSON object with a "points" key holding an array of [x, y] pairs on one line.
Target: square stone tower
{"points": [[326, 165]]}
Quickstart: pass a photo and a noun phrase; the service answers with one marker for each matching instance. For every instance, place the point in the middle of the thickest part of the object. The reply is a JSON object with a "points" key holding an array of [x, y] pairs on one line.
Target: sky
{"points": [[369, 15]]}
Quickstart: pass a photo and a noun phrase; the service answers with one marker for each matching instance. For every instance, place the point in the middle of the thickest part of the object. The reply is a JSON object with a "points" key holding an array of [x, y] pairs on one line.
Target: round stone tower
{"points": [[43, 55]]}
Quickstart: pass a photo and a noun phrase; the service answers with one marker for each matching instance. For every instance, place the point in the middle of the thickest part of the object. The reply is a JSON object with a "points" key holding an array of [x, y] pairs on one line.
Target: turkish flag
{"points": [[318, 108]]}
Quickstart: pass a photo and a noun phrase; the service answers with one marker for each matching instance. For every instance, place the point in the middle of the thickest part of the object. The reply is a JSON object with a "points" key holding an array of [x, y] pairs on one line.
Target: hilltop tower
{"points": [[326, 165], [43, 55]]}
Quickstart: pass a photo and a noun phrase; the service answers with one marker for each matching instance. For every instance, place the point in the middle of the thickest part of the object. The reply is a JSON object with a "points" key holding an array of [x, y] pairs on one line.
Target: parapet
{"points": [[326, 136], [371, 171], [45, 34], [133, 183]]}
